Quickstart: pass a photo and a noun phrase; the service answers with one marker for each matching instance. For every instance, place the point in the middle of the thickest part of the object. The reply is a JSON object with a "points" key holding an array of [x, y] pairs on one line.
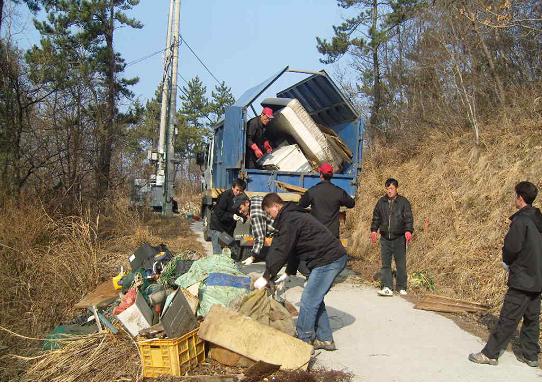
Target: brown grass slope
{"points": [[460, 202], [48, 263]]}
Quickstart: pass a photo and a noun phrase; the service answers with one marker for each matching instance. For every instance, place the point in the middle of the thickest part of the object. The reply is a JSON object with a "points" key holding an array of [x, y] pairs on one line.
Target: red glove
{"points": [[257, 152], [374, 237], [267, 146], [408, 236]]}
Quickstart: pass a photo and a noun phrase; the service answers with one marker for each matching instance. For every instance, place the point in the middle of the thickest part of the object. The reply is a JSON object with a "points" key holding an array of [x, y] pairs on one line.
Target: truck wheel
{"points": [[206, 221]]}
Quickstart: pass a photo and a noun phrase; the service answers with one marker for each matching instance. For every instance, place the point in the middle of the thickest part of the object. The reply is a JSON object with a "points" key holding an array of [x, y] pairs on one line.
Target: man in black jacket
{"points": [[257, 141], [303, 239], [326, 199], [392, 215], [522, 258], [224, 216]]}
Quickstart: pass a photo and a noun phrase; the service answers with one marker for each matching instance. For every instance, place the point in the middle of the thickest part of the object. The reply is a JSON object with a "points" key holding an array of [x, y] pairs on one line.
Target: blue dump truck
{"points": [[313, 121]]}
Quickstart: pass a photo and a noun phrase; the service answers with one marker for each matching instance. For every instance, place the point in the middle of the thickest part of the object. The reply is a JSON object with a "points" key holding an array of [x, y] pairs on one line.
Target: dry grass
{"points": [[461, 201], [47, 264], [90, 358]]}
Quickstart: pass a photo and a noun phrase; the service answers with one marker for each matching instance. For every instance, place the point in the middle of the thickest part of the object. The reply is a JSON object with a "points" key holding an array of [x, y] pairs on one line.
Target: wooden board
{"points": [[447, 300], [102, 296], [240, 334], [439, 308], [290, 187]]}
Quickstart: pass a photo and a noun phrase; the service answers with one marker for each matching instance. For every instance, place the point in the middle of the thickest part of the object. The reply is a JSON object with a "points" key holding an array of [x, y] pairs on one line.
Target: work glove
{"points": [[257, 152], [268, 147], [506, 267], [249, 260], [282, 278], [408, 236], [374, 237], [236, 217], [260, 283]]}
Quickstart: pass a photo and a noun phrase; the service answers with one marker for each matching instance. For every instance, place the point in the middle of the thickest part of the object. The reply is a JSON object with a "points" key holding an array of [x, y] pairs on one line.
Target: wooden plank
{"points": [[465, 307], [439, 308], [241, 334], [103, 295], [290, 187], [446, 299]]}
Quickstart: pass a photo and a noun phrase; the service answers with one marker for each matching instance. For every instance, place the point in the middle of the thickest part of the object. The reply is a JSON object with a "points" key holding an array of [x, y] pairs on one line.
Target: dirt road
{"points": [[386, 339]]}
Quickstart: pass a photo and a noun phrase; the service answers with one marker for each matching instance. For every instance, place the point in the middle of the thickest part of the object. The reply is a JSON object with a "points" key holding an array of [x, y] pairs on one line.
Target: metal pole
{"points": [[170, 166], [165, 94]]}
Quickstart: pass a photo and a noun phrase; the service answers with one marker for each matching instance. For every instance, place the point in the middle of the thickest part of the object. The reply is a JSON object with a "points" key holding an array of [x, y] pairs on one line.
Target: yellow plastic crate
{"points": [[171, 356]]}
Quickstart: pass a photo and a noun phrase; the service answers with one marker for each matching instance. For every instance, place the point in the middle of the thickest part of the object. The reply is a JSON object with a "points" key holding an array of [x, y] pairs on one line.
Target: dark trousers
{"points": [[388, 250], [517, 305]]}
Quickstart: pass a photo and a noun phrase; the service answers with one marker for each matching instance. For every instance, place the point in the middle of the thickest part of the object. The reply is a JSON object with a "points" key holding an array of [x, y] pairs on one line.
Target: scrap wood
{"points": [[103, 295], [290, 187], [439, 308], [448, 300], [259, 371]]}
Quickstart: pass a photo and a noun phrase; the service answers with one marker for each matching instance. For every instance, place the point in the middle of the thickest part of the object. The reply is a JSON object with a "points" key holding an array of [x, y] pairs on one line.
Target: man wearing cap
{"points": [[257, 142], [326, 199]]}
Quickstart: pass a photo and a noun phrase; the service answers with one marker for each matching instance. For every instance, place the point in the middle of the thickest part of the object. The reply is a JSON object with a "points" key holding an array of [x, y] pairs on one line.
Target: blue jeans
{"points": [[217, 249], [313, 320]]}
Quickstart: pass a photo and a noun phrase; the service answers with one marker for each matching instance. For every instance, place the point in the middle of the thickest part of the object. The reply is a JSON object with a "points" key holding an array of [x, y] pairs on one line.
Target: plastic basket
{"points": [[171, 356]]}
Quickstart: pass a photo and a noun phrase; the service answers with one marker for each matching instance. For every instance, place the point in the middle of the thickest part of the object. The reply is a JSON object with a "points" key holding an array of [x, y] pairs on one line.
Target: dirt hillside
{"points": [[461, 201]]}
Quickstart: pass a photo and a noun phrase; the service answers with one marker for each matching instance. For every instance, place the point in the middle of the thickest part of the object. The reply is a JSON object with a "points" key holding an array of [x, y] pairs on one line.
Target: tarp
{"points": [[220, 282]]}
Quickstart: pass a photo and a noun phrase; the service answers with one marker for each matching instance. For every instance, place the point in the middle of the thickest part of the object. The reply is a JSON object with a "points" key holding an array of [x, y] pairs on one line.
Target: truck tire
{"points": [[206, 221]]}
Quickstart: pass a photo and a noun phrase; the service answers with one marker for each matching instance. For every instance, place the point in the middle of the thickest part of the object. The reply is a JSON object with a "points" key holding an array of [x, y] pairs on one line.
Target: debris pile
{"points": [[175, 315]]}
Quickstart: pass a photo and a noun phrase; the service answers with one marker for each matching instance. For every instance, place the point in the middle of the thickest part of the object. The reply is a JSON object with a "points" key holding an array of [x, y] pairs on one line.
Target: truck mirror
{"points": [[200, 158]]}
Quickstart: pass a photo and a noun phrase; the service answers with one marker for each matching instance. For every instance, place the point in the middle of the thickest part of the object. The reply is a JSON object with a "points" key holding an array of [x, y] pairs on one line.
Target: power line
{"points": [[181, 40], [201, 61]]}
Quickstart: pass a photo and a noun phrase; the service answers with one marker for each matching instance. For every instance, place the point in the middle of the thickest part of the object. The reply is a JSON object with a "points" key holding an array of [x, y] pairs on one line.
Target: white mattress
{"points": [[294, 120]]}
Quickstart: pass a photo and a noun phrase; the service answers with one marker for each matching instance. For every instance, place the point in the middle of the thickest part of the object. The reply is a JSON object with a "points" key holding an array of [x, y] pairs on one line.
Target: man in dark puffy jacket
{"points": [[326, 199], [224, 217], [392, 215], [522, 258], [303, 239]]}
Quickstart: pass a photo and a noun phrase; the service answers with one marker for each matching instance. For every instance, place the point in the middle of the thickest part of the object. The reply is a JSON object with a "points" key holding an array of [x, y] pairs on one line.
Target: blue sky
{"points": [[242, 42]]}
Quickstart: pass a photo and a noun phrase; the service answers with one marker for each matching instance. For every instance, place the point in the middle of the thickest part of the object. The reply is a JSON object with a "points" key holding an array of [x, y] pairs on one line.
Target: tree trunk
{"points": [[377, 86], [498, 82], [109, 131]]}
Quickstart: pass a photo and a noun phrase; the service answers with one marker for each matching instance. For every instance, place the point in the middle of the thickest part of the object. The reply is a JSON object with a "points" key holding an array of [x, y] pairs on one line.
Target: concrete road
{"points": [[386, 339]]}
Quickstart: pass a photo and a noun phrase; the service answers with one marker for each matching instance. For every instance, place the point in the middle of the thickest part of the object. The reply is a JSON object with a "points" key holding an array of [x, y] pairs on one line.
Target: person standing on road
{"points": [[257, 141], [325, 200], [302, 238], [261, 224], [224, 217], [392, 216], [522, 258]]}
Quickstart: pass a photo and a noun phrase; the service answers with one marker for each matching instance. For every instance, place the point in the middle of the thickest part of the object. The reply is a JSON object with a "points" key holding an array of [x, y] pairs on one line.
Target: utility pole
{"points": [[168, 112], [166, 82]]}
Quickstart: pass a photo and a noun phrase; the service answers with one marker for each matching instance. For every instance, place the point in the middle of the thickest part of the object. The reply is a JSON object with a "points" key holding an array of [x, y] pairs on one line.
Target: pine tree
{"points": [[363, 36], [221, 98]]}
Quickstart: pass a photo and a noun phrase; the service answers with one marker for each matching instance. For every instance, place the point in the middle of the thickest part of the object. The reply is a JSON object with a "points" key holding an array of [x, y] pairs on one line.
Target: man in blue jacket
{"points": [[522, 258]]}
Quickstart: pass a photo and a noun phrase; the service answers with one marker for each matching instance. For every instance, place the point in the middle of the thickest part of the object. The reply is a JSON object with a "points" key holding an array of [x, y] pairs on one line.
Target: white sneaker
{"points": [[402, 292], [385, 292], [248, 260]]}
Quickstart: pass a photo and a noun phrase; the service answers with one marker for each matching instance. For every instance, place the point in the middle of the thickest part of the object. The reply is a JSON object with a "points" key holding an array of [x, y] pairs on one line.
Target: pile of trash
{"points": [[181, 309], [301, 144]]}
